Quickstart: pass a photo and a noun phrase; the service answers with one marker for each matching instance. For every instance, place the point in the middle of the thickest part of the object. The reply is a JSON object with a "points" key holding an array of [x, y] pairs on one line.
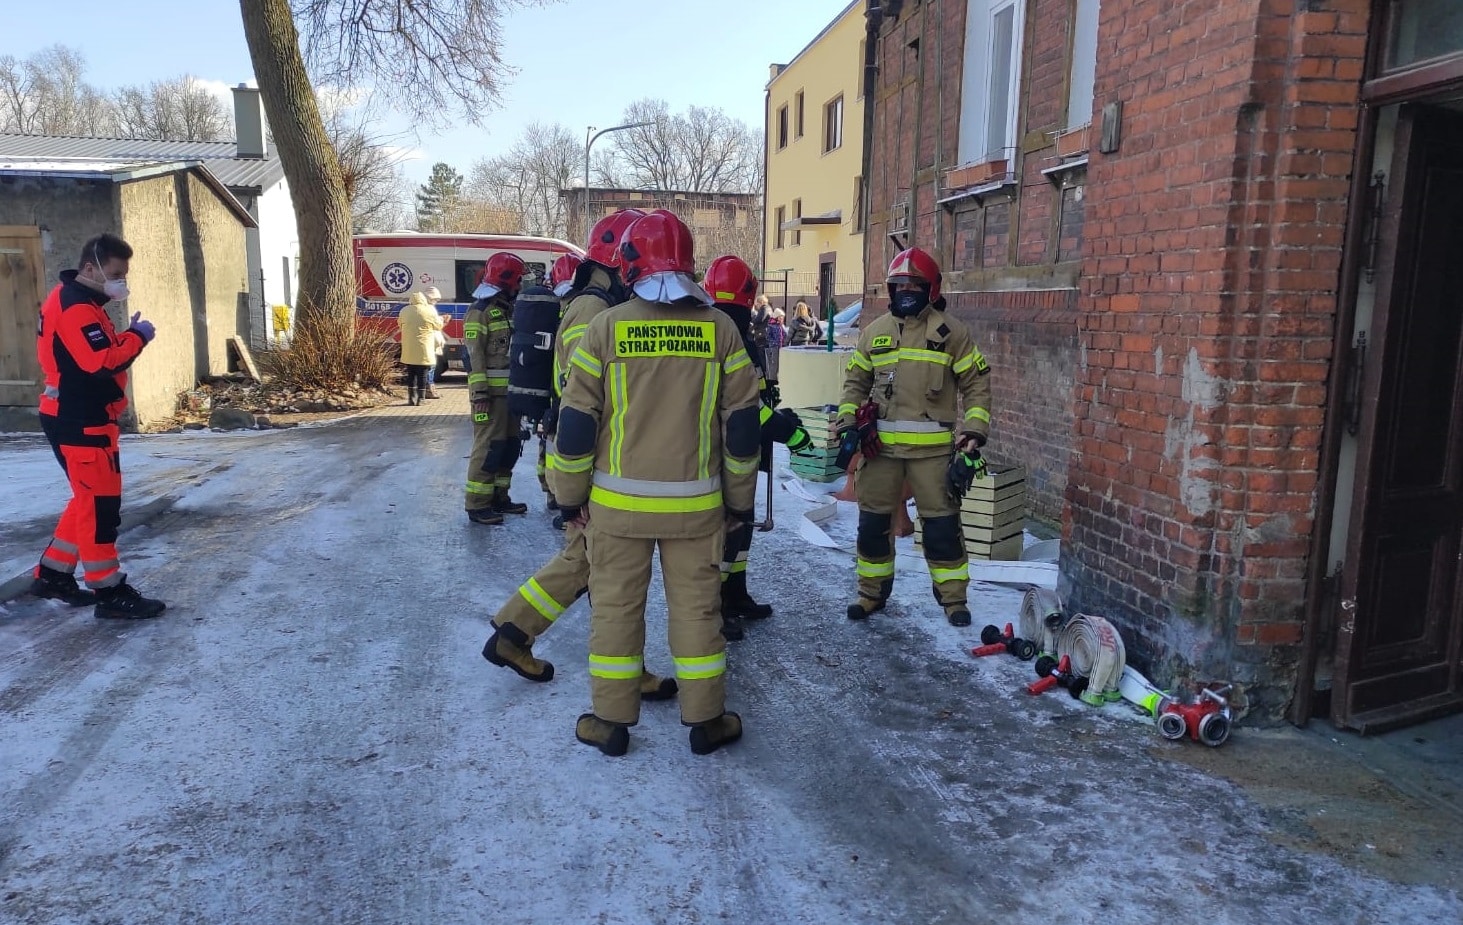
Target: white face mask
{"points": [[116, 289]]}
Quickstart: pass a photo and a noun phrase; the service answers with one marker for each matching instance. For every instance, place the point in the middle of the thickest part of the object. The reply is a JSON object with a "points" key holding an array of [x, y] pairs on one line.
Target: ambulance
{"points": [[390, 267]]}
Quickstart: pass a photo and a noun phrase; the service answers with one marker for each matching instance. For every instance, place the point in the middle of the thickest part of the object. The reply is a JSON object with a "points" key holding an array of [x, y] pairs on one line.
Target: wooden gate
{"points": [[21, 272]]}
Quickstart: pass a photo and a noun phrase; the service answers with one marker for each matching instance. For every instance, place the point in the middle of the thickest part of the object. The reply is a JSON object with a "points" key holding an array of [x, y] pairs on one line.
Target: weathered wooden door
{"points": [[21, 271], [1401, 623]]}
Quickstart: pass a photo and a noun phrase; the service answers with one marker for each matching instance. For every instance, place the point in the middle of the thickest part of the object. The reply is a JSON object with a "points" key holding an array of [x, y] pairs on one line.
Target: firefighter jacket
{"points": [[777, 426], [419, 323], [579, 311], [89, 358], [487, 328], [916, 369], [659, 432]]}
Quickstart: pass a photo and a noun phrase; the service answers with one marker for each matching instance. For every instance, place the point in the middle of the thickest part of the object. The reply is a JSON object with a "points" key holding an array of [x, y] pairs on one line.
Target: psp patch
{"points": [[96, 337]]}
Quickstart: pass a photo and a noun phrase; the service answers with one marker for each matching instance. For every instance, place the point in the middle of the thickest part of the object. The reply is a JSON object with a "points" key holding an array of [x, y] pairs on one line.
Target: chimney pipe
{"points": [[249, 122]]}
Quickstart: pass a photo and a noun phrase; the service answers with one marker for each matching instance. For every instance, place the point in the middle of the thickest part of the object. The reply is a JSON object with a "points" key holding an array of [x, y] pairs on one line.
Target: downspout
{"points": [[766, 163], [873, 19], [934, 10]]}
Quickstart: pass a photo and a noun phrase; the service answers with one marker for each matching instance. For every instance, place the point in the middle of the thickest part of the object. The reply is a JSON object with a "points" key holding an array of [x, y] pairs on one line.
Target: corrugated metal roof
{"points": [[123, 172], [237, 173]]}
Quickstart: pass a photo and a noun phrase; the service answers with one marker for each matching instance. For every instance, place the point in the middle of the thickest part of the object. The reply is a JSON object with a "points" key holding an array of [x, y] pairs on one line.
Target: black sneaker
{"points": [[61, 586], [125, 602]]}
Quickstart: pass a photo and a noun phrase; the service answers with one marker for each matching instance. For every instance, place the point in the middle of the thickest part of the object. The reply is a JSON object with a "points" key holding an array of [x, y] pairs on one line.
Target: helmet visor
{"points": [[670, 286]]}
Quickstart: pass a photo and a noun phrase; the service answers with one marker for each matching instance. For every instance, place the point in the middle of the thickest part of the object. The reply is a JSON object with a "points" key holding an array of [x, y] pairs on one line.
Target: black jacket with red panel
{"points": [[89, 357]]}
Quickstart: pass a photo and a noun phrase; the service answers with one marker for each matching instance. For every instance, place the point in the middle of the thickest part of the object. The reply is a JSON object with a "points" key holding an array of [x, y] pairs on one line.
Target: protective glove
{"points": [[525, 432], [848, 445], [965, 467], [801, 442], [480, 408], [142, 328], [773, 395]]}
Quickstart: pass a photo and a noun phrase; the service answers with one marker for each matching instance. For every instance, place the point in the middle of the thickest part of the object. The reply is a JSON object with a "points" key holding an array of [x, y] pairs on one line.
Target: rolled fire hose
{"points": [[1096, 651], [1042, 618], [1141, 692]]}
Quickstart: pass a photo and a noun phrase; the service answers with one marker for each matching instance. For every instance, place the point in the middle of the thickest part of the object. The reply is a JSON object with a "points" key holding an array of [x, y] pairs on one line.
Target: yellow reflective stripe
{"points": [[480, 488], [618, 403], [498, 326], [950, 574], [471, 328], [616, 667], [906, 438], [978, 414], [919, 355], [847, 408], [965, 362], [541, 600], [867, 569], [736, 361], [570, 335], [732, 568], [637, 503], [738, 467], [701, 667], [710, 380], [764, 414], [476, 378], [587, 362], [578, 464], [860, 360], [496, 381]]}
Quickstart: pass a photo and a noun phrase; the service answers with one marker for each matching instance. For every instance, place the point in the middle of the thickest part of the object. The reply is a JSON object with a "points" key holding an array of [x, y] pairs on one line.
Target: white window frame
{"points": [[1082, 77], [977, 80]]}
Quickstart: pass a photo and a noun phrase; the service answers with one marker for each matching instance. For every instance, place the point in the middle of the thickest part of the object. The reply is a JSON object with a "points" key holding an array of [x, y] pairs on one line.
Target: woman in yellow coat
{"points": [[419, 323]]}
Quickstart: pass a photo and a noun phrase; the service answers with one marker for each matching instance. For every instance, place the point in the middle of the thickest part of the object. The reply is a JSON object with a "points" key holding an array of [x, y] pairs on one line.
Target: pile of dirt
{"points": [[226, 402]]}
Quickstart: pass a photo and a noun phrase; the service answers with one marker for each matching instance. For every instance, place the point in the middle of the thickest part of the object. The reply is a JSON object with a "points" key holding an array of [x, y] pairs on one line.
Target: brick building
{"points": [[722, 223], [1194, 241]]}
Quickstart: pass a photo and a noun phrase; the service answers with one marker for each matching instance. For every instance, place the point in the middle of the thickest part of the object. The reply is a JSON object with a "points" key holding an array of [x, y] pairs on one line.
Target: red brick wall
{"points": [[1212, 249]]}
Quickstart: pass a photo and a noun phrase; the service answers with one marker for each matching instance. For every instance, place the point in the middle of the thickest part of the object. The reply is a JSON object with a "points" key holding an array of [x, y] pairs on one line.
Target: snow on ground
{"points": [[310, 735]]}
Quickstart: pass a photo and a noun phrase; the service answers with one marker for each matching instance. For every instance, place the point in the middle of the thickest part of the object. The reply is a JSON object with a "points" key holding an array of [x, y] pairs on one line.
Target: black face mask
{"points": [[907, 303]]}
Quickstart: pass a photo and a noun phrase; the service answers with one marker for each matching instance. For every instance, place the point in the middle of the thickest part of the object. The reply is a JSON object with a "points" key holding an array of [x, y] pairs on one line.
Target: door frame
{"points": [[32, 234], [1322, 603]]}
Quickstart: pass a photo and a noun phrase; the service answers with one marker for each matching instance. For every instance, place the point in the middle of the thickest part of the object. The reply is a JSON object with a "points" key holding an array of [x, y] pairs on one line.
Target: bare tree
{"points": [[370, 163], [527, 180], [181, 109], [47, 94], [700, 150], [432, 58]]}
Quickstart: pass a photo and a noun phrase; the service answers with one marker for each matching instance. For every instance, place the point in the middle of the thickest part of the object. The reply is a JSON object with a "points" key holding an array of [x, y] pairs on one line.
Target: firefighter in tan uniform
{"points": [[658, 447], [914, 363], [554, 588], [487, 328]]}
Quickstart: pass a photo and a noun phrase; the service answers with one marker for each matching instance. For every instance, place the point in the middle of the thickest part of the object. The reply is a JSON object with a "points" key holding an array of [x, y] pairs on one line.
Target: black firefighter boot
{"points": [[736, 600], [958, 614], [611, 738], [60, 586], [506, 505], [510, 647], [707, 737], [654, 687], [863, 608], [124, 602]]}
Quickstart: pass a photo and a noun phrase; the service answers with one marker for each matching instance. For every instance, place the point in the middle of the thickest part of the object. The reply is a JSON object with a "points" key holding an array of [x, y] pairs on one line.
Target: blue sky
{"points": [[579, 62]]}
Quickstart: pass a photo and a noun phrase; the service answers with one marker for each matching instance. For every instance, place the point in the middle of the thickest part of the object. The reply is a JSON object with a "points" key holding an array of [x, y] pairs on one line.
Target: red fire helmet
{"points": [[729, 280], [605, 237], [561, 274], [919, 266], [503, 273], [658, 259]]}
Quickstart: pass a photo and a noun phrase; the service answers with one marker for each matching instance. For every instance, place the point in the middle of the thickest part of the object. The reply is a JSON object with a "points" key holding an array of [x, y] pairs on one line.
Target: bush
{"points": [[331, 357]]}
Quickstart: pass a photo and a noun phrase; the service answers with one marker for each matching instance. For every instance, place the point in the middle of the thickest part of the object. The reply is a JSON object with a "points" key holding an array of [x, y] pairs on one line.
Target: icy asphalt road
{"points": [[309, 735]]}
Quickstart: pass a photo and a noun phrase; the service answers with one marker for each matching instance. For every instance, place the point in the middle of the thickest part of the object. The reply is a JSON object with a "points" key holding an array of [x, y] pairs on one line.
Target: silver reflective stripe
{"points": [[648, 488], [912, 427], [51, 392], [538, 298], [519, 390], [495, 372]]}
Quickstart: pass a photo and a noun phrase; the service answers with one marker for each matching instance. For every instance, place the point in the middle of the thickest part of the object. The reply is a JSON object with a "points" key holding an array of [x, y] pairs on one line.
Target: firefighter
{"points": [[658, 446], [531, 364], [733, 286], [84, 364], [914, 363], [594, 286], [561, 281], [487, 328]]}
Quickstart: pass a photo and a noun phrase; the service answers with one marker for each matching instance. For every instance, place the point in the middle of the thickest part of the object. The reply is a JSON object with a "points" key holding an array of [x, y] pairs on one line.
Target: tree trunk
{"points": [[326, 293]]}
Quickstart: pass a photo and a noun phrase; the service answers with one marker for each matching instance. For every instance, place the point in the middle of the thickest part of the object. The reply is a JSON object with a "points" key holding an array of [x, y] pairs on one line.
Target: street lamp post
{"points": [[590, 137]]}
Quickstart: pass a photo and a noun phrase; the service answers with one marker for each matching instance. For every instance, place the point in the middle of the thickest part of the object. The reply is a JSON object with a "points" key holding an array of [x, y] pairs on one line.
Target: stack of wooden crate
{"points": [[816, 463], [993, 515]]}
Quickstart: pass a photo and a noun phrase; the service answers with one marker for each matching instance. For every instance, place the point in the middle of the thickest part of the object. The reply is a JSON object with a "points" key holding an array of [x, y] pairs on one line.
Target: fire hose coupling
{"points": [[994, 642], [1056, 673], [1207, 720]]}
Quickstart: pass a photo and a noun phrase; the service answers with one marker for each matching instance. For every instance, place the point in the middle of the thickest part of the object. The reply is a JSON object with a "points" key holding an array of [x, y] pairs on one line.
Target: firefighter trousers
{"points": [[552, 590], [87, 530], [619, 580], [495, 448], [734, 556], [880, 483]]}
